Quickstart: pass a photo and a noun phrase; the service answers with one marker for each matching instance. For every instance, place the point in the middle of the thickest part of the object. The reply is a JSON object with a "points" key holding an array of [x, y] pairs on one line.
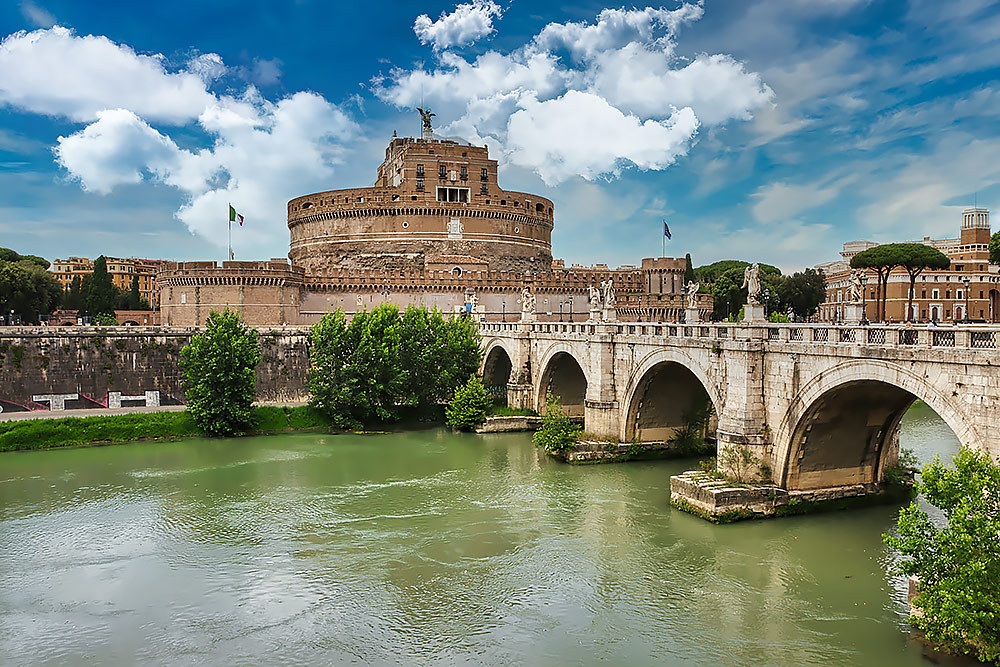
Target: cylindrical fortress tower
{"points": [[435, 205]]}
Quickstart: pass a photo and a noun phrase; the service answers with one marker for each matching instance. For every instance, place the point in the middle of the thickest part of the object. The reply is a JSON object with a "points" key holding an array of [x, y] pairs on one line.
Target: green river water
{"points": [[424, 547]]}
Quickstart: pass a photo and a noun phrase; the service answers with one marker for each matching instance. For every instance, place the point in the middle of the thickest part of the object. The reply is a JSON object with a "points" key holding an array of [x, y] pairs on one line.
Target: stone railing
{"points": [[975, 336]]}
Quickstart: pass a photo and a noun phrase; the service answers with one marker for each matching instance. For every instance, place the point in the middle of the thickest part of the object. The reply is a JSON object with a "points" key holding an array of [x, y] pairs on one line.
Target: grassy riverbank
{"points": [[80, 431]]}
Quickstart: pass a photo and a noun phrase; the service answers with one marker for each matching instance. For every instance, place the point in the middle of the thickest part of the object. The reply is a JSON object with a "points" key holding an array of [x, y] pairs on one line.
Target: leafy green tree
{"points": [[105, 320], [726, 296], [73, 297], [355, 376], [218, 368], [469, 407], [995, 248], [688, 269], [101, 295], [558, 431], [958, 565], [803, 292], [915, 258], [26, 287]]}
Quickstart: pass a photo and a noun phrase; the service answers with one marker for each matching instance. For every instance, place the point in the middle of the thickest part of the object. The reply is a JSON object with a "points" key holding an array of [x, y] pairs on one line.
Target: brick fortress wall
{"points": [[131, 360]]}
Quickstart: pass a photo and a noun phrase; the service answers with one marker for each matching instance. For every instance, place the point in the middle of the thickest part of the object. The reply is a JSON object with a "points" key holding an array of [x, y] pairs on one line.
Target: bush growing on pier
{"points": [[958, 565], [469, 407], [364, 371], [219, 374], [557, 432]]}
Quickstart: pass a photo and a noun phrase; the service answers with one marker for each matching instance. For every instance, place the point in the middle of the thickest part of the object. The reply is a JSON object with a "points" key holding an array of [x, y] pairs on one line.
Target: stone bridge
{"points": [[820, 404]]}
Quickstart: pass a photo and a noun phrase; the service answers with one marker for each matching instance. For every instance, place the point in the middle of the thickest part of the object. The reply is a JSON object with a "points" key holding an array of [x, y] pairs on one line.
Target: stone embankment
{"points": [[509, 424]]}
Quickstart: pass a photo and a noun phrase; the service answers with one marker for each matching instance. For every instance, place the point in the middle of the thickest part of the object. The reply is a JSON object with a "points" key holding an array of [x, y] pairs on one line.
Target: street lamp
{"points": [[571, 309], [863, 279], [503, 307], [966, 280]]}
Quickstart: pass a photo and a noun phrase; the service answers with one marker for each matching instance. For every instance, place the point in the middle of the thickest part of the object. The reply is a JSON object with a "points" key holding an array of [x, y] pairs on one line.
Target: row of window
{"points": [[463, 173]]}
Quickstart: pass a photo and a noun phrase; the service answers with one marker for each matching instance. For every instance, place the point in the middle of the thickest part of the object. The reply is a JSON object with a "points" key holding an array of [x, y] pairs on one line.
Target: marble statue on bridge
{"points": [[751, 281], [527, 301], [692, 294], [595, 303]]}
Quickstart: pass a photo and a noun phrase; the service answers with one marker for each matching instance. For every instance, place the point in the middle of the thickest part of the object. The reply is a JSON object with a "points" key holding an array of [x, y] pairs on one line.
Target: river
{"points": [[424, 547]]}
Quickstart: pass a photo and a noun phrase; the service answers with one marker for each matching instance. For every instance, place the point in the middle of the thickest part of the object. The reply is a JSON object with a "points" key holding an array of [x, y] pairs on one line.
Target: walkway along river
{"points": [[424, 547]]}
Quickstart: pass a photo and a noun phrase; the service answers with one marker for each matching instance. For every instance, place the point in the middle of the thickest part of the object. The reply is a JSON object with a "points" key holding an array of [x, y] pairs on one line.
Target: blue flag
{"points": [[666, 229]]}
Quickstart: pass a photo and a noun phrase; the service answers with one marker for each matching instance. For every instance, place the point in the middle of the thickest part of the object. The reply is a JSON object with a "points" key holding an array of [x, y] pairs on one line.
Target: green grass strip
{"points": [[80, 431]]}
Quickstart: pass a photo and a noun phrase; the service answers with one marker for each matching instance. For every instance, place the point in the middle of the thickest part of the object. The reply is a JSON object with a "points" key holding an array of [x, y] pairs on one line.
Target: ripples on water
{"points": [[423, 547]]}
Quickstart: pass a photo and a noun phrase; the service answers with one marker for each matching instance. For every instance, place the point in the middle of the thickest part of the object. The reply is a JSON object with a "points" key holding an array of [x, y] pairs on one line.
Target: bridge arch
{"points": [[665, 385], [561, 373], [842, 428], [497, 369]]}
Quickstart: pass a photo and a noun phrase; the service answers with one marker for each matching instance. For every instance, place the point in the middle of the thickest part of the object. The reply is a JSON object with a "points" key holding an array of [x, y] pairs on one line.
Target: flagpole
{"points": [[230, 256]]}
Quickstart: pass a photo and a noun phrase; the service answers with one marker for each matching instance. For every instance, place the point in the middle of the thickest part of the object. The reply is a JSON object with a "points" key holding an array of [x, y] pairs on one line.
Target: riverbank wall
{"points": [[87, 367]]}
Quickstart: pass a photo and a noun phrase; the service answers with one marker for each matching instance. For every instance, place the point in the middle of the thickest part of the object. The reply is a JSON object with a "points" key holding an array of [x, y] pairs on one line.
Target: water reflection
{"points": [[424, 547]]}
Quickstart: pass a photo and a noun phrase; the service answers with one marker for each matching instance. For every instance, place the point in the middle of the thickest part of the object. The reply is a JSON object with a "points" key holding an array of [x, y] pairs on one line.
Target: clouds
{"points": [[57, 73], [586, 99], [258, 155], [468, 23], [581, 134], [777, 202]]}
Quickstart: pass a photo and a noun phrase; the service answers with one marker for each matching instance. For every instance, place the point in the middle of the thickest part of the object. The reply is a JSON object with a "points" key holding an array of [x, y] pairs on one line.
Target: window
{"points": [[459, 195], [483, 176], [442, 172], [483, 189], [395, 198], [405, 224], [923, 294], [980, 294], [503, 202], [420, 187], [958, 294], [935, 294], [420, 171], [465, 154], [947, 294], [464, 174]]}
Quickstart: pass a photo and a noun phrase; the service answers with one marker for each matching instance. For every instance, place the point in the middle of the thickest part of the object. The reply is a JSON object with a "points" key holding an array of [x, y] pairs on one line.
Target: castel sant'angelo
{"points": [[435, 229]]}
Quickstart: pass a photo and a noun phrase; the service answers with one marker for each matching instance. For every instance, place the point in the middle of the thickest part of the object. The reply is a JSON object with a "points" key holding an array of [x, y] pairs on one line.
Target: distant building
{"points": [[121, 270], [434, 229], [939, 295]]}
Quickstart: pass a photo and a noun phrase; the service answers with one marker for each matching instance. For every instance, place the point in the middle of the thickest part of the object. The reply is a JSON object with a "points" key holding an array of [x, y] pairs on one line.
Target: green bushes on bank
{"points": [[380, 363], [76, 431], [557, 432], [469, 407], [219, 374]]}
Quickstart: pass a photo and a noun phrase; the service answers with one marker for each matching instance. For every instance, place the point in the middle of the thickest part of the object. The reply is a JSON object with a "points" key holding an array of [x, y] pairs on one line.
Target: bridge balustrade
{"points": [[975, 336]]}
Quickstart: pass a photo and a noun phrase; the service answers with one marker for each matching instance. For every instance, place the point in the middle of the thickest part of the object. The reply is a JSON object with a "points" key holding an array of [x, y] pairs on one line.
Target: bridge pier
{"points": [[520, 396], [742, 438]]}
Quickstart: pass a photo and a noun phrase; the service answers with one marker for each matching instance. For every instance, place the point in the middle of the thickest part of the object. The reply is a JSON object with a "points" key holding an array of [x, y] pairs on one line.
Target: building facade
{"points": [[435, 229], [938, 295], [121, 270]]}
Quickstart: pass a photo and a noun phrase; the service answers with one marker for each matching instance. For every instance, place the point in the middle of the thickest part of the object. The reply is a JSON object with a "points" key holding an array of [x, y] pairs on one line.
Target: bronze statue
{"points": [[425, 118]]}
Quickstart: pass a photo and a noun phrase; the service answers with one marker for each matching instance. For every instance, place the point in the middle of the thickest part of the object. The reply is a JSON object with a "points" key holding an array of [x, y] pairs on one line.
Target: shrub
{"points": [[218, 368], [690, 438], [741, 465], [364, 371], [958, 565], [469, 406], [557, 432], [105, 320], [901, 474]]}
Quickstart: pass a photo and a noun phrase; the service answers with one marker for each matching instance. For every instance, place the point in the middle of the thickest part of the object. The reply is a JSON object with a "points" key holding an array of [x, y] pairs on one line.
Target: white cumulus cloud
{"points": [[259, 153], [625, 97], [468, 23], [57, 73]]}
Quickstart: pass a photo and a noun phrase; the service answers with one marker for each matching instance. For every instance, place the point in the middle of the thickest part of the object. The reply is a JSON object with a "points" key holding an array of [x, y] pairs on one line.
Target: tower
{"points": [[975, 226]]}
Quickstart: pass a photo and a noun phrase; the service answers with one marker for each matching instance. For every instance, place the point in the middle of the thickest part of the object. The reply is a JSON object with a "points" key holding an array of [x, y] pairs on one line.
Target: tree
{"points": [[914, 258], [218, 368], [883, 261], [355, 375], [469, 406], [73, 297], [134, 298], [727, 298], [803, 292], [688, 269], [100, 293], [995, 248], [958, 565], [26, 287], [557, 432]]}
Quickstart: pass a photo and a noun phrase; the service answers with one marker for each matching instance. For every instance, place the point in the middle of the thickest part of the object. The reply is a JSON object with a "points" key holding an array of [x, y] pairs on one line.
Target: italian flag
{"points": [[234, 216]]}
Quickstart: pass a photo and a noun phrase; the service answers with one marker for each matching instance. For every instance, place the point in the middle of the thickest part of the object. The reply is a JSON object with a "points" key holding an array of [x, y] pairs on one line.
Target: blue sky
{"points": [[772, 130]]}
